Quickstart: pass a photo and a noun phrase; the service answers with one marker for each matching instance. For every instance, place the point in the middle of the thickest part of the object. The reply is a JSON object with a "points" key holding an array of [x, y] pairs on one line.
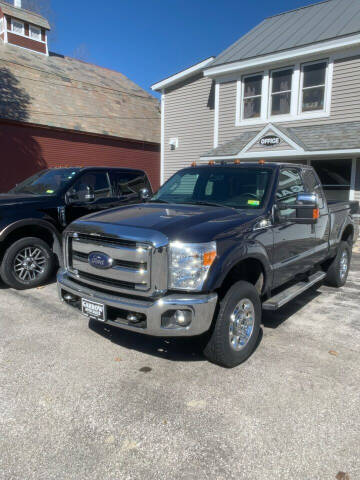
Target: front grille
{"points": [[106, 241], [102, 279], [83, 257], [129, 271]]}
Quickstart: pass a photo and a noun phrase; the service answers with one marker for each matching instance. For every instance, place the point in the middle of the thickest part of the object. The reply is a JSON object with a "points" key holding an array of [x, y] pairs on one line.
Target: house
{"points": [[289, 90], [57, 111]]}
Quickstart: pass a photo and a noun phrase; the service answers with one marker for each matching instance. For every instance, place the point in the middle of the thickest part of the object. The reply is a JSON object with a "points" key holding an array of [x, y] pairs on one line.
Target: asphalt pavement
{"points": [[79, 400]]}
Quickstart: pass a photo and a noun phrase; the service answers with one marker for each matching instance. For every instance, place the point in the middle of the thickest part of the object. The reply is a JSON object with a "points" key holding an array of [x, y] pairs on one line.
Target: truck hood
{"points": [[187, 223]]}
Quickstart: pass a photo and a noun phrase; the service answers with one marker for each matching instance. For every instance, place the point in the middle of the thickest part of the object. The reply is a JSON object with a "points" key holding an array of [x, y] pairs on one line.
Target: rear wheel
{"points": [[338, 270], [237, 326], [28, 263]]}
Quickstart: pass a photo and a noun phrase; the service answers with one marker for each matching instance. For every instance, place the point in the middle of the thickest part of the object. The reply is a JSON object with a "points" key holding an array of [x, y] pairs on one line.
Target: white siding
{"points": [[345, 103], [189, 117]]}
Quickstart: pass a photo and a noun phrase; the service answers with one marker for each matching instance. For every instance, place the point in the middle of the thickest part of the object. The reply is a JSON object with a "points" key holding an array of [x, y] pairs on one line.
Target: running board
{"points": [[290, 293]]}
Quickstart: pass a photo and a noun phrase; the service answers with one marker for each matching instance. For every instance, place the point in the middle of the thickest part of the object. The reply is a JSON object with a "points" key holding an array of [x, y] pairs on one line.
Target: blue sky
{"points": [[148, 40]]}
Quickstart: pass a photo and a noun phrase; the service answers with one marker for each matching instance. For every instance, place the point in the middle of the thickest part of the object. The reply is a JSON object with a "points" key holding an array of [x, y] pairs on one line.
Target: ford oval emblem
{"points": [[100, 260]]}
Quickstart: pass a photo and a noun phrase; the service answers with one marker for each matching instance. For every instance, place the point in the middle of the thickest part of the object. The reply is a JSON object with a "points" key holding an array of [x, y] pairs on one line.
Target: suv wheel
{"points": [[338, 270], [237, 326], [28, 263]]}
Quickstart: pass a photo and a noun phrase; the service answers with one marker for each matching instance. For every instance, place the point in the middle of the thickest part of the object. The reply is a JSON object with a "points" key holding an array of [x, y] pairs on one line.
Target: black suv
{"points": [[34, 213]]}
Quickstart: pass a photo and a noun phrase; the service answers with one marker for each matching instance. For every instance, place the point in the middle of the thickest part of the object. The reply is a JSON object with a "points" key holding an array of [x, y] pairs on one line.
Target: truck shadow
{"points": [[190, 349], [174, 349], [275, 319]]}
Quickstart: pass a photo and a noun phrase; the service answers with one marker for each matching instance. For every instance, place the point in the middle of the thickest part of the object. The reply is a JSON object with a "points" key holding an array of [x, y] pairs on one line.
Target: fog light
{"points": [[69, 298], [176, 318], [182, 318]]}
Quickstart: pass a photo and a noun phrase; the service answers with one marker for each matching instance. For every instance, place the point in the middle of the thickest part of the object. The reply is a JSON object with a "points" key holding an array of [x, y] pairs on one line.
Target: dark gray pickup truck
{"points": [[207, 253]]}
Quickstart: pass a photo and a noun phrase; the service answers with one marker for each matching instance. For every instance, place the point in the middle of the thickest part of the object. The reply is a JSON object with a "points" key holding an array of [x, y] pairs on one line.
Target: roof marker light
{"points": [[211, 162], [237, 161], [262, 162], [193, 164]]}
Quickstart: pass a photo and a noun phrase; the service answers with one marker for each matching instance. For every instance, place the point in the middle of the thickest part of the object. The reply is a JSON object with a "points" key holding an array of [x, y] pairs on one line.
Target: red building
{"points": [[57, 111]]}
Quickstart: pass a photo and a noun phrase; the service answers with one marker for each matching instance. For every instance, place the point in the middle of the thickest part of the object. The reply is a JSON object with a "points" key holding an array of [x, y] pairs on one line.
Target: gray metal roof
{"points": [[24, 15], [336, 136], [296, 28]]}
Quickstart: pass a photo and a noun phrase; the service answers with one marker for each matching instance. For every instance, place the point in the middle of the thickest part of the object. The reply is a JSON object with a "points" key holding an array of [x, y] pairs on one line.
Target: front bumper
{"points": [[201, 306]]}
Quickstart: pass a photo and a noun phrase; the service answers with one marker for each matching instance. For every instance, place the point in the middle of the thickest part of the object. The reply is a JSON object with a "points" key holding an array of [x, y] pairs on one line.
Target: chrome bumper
{"points": [[202, 307]]}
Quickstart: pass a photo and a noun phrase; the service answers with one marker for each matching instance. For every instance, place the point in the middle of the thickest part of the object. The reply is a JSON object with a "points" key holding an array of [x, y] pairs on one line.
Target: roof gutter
{"points": [[291, 54]]}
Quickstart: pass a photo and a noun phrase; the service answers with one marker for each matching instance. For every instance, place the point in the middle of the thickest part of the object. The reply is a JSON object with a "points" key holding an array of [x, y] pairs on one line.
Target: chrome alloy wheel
{"points": [[344, 264], [29, 263], [242, 322]]}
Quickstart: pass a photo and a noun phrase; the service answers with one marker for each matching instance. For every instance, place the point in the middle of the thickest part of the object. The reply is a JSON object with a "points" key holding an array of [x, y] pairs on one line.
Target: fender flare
{"points": [[39, 222], [237, 254]]}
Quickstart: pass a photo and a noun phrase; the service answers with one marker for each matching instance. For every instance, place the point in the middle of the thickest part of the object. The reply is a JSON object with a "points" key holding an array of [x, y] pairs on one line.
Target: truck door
{"points": [[293, 243], [99, 185], [322, 227], [127, 186]]}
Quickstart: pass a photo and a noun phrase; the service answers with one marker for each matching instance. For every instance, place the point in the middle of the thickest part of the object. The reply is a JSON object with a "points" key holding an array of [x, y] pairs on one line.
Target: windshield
{"points": [[236, 187], [48, 182]]}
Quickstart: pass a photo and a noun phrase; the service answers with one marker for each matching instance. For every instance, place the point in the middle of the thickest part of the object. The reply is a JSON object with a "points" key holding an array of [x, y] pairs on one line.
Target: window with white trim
{"points": [[35, 33], [18, 27], [288, 93], [252, 94], [1, 25], [313, 86], [281, 85]]}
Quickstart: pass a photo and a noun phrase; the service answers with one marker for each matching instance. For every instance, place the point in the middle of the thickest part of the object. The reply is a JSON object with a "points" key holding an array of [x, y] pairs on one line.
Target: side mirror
{"points": [[144, 194], [70, 197], [89, 195], [306, 208]]}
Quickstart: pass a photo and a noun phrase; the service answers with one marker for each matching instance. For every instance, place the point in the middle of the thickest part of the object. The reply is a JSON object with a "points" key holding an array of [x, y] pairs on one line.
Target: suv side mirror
{"points": [[144, 194], [306, 207], [89, 195]]}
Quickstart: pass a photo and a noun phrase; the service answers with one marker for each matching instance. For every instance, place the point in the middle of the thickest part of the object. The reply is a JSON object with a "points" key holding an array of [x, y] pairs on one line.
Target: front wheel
{"points": [[237, 326], [338, 270], [27, 263]]}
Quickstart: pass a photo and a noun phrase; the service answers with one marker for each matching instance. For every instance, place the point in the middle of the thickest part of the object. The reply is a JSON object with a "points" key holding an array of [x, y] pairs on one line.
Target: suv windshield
{"points": [[47, 182], [236, 187]]}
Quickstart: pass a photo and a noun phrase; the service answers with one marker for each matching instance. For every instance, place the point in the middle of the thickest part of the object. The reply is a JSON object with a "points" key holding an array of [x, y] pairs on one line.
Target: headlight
{"points": [[189, 264]]}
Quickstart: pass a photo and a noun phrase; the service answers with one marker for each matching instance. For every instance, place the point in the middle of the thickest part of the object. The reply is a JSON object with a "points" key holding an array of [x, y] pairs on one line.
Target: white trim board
{"points": [[284, 153], [291, 54], [167, 82], [216, 114], [162, 143]]}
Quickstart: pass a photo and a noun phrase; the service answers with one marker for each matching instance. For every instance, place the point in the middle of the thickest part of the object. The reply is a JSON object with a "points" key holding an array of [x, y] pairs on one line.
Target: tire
{"points": [[39, 259], [338, 270], [219, 348]]}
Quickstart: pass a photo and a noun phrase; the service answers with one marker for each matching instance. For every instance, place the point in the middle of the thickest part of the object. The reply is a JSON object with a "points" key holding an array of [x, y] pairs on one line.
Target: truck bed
{"points": [[340, 206]]}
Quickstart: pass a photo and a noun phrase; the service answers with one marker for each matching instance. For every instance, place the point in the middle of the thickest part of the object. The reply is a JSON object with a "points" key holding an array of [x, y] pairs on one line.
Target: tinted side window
{"points": [[98, 183], [290, 184], [312, 186], [127, 183]]}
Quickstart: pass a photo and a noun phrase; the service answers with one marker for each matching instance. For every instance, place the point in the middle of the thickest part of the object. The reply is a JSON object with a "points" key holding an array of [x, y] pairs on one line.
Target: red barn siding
{"points": [[24, 150], [26, 42]]}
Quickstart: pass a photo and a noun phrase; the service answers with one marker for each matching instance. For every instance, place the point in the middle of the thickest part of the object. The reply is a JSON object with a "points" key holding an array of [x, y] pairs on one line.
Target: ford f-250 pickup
{"points": [[215, 246]]}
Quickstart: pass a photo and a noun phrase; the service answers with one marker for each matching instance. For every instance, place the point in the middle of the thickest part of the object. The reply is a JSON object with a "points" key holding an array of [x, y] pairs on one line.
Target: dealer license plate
{"points": [[93, 309]]}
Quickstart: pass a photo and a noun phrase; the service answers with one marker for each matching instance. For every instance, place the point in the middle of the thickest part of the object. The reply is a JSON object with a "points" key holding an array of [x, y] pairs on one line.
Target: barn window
{"points": [[35, 33], [18, 27]]}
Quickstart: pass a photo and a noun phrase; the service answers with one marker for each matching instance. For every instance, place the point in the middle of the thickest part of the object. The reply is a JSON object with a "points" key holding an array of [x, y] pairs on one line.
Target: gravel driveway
{"points": [[80, 401]]}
